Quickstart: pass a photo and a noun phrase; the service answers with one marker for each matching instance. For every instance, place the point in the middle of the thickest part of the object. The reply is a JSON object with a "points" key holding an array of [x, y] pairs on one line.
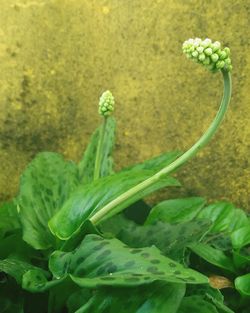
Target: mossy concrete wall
{"points": [[56, 58]]}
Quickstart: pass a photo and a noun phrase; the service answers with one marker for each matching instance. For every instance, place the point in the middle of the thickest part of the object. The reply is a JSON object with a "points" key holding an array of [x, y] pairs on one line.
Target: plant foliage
{"points": [[181, 259]]}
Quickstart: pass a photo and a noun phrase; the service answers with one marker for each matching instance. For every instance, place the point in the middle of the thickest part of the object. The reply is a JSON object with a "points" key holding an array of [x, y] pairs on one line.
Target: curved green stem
{"points": [[98, 159], [204, 139]]}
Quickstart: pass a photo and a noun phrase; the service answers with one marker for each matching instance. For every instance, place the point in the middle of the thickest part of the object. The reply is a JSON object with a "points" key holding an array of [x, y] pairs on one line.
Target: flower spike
{"points": [[208, 53], [215, 59], [106, 103]]}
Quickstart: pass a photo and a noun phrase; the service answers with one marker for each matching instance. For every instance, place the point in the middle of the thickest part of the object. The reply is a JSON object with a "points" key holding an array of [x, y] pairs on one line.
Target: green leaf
{"points": [[213, 256], [241, 237], [220, 241], [35, 280], [86, 228], [170, 239], [156, 163], [46, 183], [196, 304], [241, 260], [80, 298], [153, 298], [115, 225], [14, 247], [209, 294], [218, 303], [87, 200], [102, 262], [59, 294], [242, 284], [15, 268], [176, 210], [9, 220], [225, 217], [165, 298], [87, 164]]}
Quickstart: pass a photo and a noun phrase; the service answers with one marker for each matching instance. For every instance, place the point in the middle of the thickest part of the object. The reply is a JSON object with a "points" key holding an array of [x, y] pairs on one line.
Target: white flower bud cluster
{"points": [[106, 103], [208, 53]]}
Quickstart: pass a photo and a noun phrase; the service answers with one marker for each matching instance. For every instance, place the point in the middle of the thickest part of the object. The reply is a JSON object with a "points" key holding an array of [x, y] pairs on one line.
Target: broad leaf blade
{"points": [[210, 294], [87, 164], [225, 217], [89, 199], [213, 256], [156, 163], [15, 268], [14, 247], [176, 210], [35, 280], [242, 284], [153, 298], [241, 237], [170, 239], [46, 183], [9, 219], [241, 258], [99, 262], [196, 304], [166, 298]]}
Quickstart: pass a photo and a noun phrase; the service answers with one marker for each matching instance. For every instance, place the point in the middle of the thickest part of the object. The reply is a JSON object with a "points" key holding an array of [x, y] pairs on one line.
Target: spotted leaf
{"points": [[15, 268], [172, 240], [99, 261], [9, 219], [35, 280], [46, 183], [89, 199]]}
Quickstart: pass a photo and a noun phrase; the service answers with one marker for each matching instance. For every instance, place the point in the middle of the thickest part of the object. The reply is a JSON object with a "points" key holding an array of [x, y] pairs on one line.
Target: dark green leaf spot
{"points": [[155, 261]]}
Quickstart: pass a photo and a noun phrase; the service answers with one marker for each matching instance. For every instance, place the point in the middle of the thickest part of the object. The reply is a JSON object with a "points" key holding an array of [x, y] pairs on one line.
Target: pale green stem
{"points": [[99, 155], [204, 139]]}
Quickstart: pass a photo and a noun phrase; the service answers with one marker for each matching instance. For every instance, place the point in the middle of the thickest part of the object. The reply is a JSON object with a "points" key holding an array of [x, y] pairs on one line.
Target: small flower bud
{"points": [[223, 55], [214, 57], [202, 57], [206, 43], [200, 49], [206, 61], [195, 54], [208, 51], [106, 103], [227, 50], [228, 61], [220, 64], [216, 46]]}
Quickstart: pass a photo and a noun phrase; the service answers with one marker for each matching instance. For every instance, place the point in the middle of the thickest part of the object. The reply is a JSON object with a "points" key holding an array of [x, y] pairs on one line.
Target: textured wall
{"points": [[56, 57]]}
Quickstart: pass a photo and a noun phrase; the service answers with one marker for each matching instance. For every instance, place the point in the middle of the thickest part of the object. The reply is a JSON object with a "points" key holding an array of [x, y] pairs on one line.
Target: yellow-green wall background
{"points": [[56, 58]]}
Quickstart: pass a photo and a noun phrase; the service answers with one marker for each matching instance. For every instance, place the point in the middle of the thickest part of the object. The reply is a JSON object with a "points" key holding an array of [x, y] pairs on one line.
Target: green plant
{"points": [[66, 244]]}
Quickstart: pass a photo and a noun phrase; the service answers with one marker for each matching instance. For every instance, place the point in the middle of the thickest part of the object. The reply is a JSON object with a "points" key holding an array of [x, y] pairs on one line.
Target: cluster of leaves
{"points": [[53, 259]]}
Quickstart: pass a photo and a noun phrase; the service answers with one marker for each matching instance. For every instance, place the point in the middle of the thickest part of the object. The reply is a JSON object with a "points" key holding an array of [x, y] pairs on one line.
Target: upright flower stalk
{"points": [[106, 108], [210, 55]]}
